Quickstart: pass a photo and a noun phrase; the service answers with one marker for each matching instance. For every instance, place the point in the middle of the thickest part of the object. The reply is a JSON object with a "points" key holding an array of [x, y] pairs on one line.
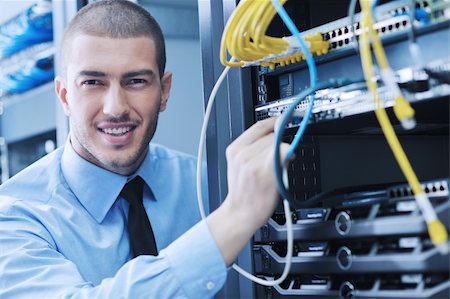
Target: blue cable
{"points": [[374, 4], [332, 83], [30, 27], [312, 74]]}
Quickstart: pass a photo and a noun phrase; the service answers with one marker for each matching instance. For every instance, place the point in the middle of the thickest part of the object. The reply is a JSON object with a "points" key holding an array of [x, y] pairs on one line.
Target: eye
{"points": [[135, 81], [91, 82]]}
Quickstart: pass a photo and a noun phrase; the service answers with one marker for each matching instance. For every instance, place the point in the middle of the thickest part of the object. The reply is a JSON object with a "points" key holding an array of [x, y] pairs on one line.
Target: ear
{"points": [[61, 92], [166, 84]]}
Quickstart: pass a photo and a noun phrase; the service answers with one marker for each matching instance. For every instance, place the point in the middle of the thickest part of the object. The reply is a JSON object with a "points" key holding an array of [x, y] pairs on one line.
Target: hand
{"points": [[251, 181], [252, 192]]}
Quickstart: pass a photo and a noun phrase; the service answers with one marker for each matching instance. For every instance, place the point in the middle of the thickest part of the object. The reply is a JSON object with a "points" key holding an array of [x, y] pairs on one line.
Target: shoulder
{"points": [[164, 162], [37, 181], [161, 152]]}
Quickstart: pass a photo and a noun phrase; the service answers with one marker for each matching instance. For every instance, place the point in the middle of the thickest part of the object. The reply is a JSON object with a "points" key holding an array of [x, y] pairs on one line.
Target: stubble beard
{"points": [[131, 163]]}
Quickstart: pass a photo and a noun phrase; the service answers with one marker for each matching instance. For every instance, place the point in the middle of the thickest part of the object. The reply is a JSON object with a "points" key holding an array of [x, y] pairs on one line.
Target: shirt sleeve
{"points": [[31, 267]]}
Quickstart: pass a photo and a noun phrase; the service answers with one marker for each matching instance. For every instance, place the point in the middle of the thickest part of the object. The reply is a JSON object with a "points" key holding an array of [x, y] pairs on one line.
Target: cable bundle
{"points": [[26, 54], [35, 72], [244, 34], [244, 38], [31, 27]]}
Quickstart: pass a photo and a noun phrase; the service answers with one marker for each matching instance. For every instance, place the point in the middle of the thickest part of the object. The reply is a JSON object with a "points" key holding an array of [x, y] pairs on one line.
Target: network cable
{"points": [[279, 173], [413, 47], [312, 75], [244, 34], [239, 42], [436, 229], [30, 27], [283, 122], [351, 18], [244, 38], [237, 27], [243, 12], [287, 210]]}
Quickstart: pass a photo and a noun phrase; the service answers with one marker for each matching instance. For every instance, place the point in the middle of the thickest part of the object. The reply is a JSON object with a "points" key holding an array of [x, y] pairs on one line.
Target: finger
{"points": [[255, 132], [256, 148], [262, 151]]}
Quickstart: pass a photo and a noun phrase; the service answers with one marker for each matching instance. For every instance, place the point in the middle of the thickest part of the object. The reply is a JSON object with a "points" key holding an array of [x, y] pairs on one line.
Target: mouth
{"points": [[117, 131], [117, 134]]}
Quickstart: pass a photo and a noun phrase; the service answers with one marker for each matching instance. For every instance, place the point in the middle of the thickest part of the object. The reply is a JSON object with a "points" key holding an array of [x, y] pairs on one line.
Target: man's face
{"points": [[112, 93]]}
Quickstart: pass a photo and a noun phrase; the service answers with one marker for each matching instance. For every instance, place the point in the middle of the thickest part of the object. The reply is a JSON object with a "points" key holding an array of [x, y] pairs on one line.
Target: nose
{"points": [[115, 102]]}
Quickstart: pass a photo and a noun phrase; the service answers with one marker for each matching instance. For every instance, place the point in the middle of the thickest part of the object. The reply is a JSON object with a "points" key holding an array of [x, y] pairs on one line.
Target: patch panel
{"points": [[392, 19], [354, 99], [342, 36]]}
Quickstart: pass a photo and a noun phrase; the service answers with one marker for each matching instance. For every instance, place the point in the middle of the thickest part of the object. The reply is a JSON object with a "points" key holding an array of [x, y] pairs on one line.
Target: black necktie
{"points": [[140, 231]]}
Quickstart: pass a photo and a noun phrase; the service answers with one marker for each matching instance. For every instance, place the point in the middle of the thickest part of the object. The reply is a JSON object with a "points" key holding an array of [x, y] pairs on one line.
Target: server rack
{"points": [[25, 99], [366, 239]]}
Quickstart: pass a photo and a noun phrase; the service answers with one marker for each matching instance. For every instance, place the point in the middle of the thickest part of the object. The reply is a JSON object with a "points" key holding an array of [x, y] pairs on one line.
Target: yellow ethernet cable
{"points": [[244, 34], [230, 27], [256, 27], [436, 229], [402, 109], [244, 38]]}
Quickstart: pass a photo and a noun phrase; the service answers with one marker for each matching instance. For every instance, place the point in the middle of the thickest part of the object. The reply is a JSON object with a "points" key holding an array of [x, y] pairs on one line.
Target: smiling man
{"points": [[70, 224], [112, 90]]}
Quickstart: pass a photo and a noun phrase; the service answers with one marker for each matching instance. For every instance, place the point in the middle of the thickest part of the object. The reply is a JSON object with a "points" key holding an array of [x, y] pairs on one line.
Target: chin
{"points": [[127, 158], [121, 161]]}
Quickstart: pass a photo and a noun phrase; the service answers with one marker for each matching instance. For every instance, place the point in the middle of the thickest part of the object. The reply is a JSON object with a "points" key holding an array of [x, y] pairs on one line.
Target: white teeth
{"points": [[116, 131]]}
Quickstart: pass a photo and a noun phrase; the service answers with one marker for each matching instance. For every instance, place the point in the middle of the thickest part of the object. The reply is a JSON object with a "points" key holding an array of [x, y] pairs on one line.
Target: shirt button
{"points": [[210, 285]]}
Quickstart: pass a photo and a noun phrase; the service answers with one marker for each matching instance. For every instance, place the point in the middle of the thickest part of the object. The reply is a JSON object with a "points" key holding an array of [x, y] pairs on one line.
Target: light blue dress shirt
{"points": [[63, 232]]}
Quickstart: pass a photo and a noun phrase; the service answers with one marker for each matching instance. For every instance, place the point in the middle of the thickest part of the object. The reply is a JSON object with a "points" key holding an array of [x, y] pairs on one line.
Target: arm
{"points": [[190, 267], [252, 194], [30, 265]]}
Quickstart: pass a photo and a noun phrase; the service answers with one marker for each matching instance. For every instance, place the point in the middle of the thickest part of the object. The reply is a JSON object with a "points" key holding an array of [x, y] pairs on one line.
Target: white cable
{"points": [[201, 144], [287, 266], [287, 211]]}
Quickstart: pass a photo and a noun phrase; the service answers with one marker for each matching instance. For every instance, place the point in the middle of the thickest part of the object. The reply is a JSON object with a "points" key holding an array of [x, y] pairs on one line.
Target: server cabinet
{"points": [[365, 237]]}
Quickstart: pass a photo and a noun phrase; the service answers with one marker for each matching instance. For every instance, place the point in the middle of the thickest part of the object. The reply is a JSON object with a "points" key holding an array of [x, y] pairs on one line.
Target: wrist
{"points": [[231, 228]]}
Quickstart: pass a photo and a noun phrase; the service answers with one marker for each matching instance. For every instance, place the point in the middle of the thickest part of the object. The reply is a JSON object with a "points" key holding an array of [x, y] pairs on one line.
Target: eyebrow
{"points": [[91, 74], [98, 74], [145, 72]]}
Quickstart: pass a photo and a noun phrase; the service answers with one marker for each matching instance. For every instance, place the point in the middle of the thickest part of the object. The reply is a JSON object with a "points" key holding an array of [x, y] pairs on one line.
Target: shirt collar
{"points": [[148, 172], [96, 188]]}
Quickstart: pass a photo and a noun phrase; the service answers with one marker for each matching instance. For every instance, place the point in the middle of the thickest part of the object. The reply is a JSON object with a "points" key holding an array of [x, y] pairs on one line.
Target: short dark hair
{"points": [[114, 19]]}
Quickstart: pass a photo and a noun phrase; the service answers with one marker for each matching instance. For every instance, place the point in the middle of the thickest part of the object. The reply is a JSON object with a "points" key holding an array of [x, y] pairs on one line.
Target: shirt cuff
{"points": [[197, 262]]}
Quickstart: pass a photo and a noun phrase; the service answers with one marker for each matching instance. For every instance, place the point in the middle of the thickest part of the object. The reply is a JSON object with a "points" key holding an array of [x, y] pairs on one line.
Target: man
{"points": [[65, 220]]}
